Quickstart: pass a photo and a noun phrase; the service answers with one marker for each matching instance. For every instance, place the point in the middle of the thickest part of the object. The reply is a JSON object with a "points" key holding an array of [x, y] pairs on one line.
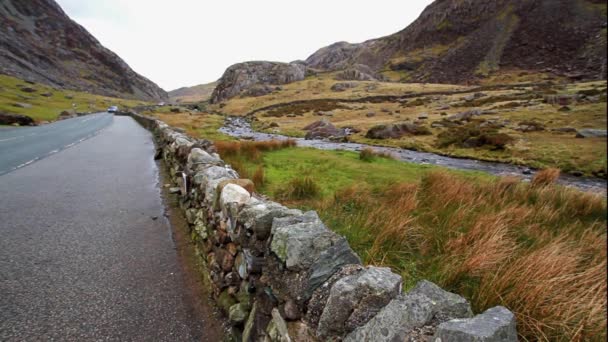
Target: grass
{"points": [[538, 249], [198, 125], [299, 188], [367, 154], [48, 108], [246, 156], [319, 87], [543, 149]]}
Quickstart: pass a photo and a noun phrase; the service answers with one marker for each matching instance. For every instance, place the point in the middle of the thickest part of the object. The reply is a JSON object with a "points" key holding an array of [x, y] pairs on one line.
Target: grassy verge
{"points": [[46, 103], [198, 125], [536, 248]]}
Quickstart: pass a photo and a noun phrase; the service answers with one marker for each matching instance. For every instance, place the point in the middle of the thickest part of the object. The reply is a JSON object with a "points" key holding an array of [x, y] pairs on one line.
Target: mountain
{"points": [[256, 78], [197, 93], [461, 41], [39, 42]]}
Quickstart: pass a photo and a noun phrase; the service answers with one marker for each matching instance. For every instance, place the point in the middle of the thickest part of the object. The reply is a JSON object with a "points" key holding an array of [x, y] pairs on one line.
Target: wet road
{"points": [[81, 256], [22, 146]]}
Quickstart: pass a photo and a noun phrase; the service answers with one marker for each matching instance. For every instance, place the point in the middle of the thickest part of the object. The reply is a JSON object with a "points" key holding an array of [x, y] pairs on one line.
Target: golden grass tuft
{"points": [[538, 250], [545, 177], [251, 150], [258, 177]]}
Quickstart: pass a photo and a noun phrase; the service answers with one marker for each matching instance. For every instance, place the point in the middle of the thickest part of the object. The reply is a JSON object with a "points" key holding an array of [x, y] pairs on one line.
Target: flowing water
{"points": [[240, 128]]}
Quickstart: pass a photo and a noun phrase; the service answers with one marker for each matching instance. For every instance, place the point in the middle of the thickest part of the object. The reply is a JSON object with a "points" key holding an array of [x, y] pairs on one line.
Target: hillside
{"points": [[39, 42], [455, 41], [197, 93]]}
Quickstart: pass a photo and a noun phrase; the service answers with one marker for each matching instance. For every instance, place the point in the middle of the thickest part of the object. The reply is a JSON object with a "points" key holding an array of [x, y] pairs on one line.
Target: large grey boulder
{"points": [[299, 240], [395, 131], [323, 129], [244, 76], [355, 299], [205, 176], [258, 216], [357, 72], [448, 303], [415, 309], [233, 194], [208, 180], [591, 133], [343, 86], [199, 159], [494, 325]]}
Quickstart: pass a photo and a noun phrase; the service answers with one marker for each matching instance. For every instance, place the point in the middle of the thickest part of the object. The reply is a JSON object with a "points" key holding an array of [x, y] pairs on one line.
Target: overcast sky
{"points": [[187, 42]]}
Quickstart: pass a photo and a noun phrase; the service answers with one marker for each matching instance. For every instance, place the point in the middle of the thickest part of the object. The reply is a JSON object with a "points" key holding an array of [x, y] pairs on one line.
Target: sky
{"points": [[180, 43]]}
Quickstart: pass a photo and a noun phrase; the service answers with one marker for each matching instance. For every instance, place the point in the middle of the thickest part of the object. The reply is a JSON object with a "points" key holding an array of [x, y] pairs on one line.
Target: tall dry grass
{"points": [[251, 150], [545, 177], [538, 249]]}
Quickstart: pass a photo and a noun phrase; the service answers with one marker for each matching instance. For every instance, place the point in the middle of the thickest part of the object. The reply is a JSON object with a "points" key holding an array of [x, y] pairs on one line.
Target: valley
{"points": [[391, 189]]}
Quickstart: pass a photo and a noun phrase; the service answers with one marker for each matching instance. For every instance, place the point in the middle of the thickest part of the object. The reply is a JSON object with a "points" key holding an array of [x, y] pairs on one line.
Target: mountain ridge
{"points": [[466, 40], [39, 42]]}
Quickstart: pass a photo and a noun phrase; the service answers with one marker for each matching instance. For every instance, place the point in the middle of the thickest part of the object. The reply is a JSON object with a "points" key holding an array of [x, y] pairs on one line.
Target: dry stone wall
{"points": [[279, 274]]}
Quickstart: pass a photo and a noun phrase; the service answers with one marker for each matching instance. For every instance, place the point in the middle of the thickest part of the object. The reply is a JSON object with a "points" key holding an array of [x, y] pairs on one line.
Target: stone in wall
{"points": [[494, 325], [416, 309], [355, 299], [298, 241]]}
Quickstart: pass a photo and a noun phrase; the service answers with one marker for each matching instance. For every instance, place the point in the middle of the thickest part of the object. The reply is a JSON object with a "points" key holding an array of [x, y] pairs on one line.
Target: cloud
{"points": [[187, 42]]}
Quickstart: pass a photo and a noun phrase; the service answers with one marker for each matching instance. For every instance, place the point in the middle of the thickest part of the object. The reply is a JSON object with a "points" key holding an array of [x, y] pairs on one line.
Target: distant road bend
{"points": [[85, 251]]}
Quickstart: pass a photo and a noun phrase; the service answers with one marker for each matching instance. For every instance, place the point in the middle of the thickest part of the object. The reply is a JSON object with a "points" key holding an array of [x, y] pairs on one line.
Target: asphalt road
{"points": [[21, 146], [85, 251]]}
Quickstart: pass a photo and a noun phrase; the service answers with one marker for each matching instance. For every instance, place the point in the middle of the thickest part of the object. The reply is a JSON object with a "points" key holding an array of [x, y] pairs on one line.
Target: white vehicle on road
{"points": [[112, 109]]}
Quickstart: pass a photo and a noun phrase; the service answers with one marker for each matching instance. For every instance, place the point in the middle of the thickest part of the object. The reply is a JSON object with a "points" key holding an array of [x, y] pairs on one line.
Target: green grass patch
{"points": [[493, 240], [335, 170], [46, 103]]}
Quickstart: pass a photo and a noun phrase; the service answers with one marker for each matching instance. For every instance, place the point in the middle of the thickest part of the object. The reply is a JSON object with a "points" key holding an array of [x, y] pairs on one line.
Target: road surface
{"points": [[85, 251], [22, 146]]}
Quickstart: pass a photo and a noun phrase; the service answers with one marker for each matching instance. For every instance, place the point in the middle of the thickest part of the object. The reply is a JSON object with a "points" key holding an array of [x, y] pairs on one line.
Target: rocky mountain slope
{"points": [[459, 41], [39, 42], [256, 78], [197, 93]]}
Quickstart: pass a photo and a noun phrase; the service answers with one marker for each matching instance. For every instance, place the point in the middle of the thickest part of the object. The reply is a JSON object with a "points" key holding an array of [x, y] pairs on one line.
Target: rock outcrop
{"points": [[455, 41], [39, 42], [323, 129], [395, 131], [251, 75], [16, 119]]}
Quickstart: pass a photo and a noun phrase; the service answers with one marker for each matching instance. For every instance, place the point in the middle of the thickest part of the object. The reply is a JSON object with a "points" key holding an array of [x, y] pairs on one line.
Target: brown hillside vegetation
{"points": [[538, 250]]}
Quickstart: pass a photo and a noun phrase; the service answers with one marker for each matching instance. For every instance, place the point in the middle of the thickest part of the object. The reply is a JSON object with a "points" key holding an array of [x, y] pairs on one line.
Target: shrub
{"points": [[300, 188], [367, 154], [474, 135]]}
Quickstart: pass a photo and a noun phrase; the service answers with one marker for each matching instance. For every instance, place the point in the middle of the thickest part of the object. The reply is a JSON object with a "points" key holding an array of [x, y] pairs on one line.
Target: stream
{"points": [[240, 128]]}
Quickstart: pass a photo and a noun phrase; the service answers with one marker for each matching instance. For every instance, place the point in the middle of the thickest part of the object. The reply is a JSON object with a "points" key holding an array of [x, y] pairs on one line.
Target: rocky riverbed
{"points": [[240, 128]]}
